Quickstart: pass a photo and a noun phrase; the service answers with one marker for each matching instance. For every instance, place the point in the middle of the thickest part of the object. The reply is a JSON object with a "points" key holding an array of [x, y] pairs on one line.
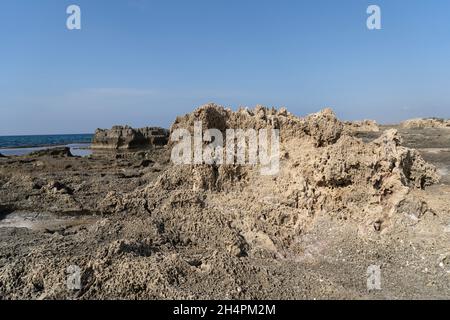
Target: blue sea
{"points": [[21, 145]]}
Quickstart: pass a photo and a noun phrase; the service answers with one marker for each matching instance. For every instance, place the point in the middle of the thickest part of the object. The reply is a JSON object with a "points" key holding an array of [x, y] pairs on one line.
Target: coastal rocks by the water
{"points": [[2, 156], [126, 138], [53, 152], [421, 123]]}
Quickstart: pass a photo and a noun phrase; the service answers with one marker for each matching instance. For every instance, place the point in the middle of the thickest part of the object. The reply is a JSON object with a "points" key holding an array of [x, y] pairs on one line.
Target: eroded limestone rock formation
{"points": [[323, 171]]}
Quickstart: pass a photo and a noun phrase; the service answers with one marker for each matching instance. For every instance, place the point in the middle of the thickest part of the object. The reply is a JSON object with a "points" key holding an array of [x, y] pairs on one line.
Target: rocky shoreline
{"points": [[348, 196]]}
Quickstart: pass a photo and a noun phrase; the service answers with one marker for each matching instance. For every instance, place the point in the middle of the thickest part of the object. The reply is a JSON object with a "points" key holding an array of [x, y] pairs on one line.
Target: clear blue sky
{"points": [[143, 62]]}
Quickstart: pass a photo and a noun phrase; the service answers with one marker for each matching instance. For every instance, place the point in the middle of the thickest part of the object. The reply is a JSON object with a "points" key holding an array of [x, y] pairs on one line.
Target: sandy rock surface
{"points": [[139, 226]]}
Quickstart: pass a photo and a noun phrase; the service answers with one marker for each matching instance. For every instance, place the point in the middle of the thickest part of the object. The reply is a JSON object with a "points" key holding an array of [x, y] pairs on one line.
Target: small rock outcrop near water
{"points": [[53, 152], [1, 156], [125, 138]]}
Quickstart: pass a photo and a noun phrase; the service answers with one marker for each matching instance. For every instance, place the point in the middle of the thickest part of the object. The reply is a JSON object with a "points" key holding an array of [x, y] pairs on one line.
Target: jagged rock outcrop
{"points": [[2, 156], [323, 168], [421, 123], [326, 152], [124, 138], [323, 128], [323, 171]]}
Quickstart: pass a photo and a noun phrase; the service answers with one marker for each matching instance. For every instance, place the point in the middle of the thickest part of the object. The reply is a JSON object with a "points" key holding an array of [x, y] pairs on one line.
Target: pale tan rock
{"points": [[352, 127], [421, 123]]}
